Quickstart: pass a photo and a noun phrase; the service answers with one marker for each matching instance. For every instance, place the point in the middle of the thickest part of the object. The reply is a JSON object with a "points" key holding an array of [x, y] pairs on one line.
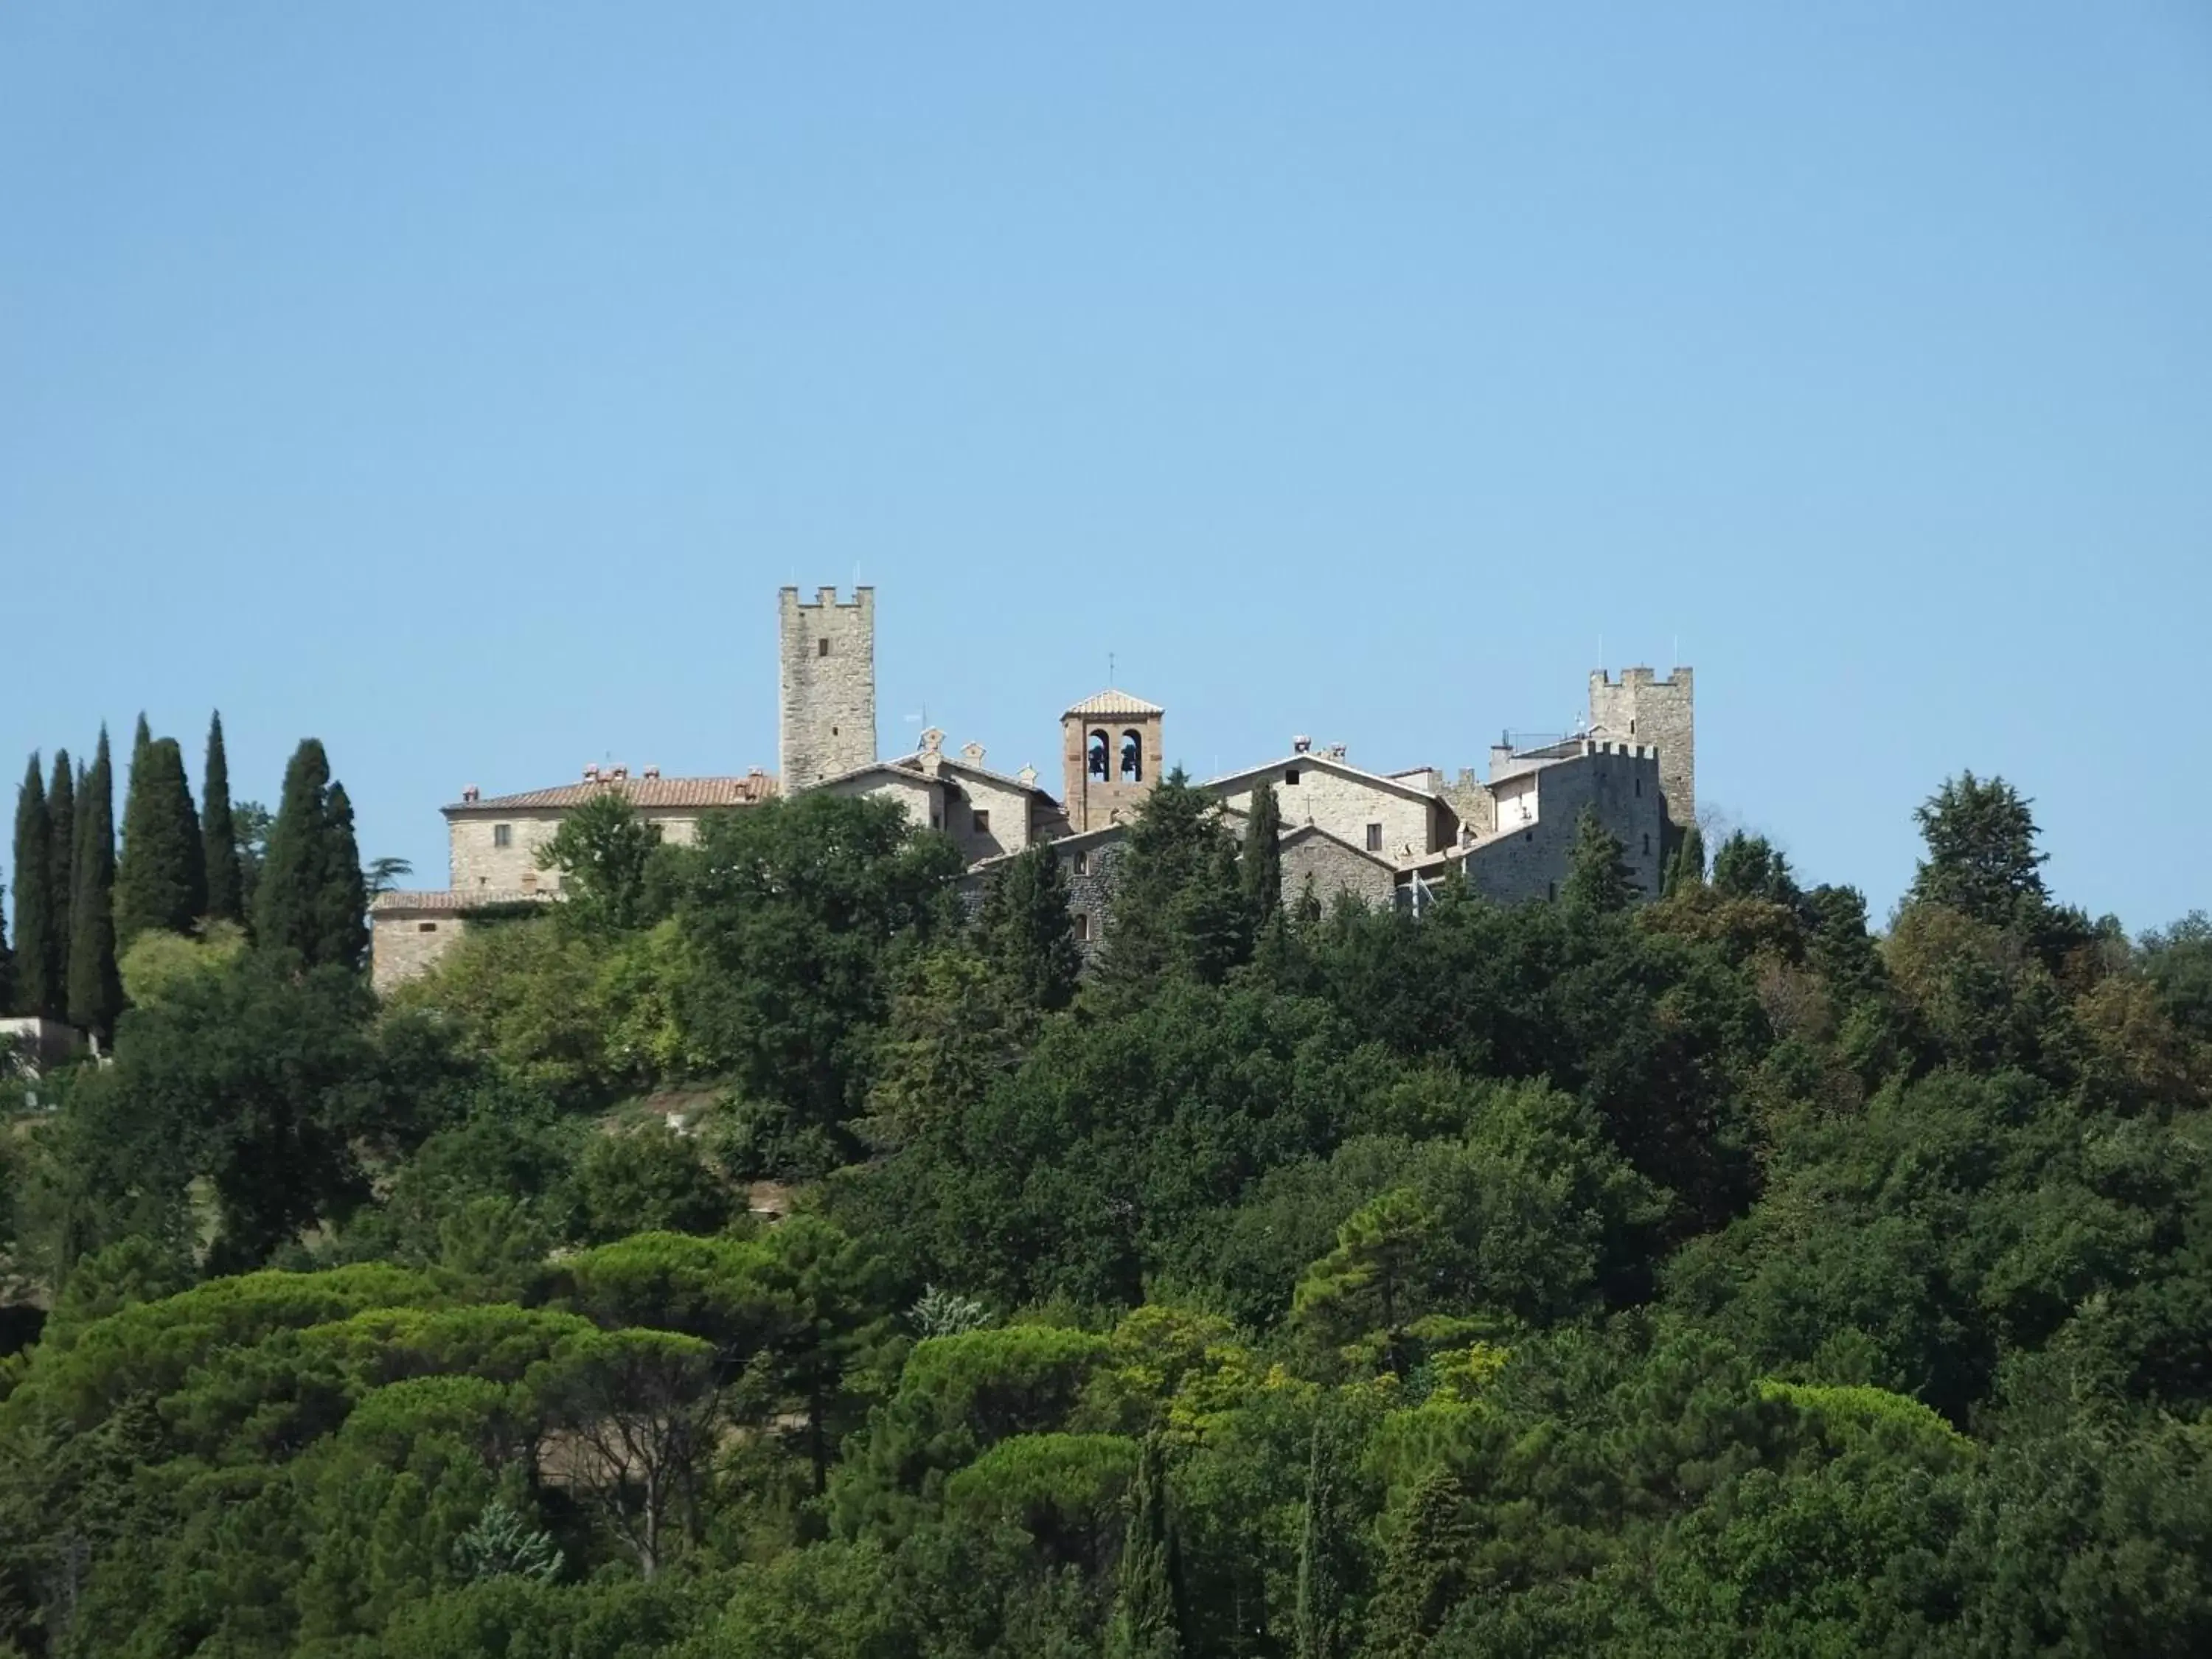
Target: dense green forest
{"points": [[760, 1253]]}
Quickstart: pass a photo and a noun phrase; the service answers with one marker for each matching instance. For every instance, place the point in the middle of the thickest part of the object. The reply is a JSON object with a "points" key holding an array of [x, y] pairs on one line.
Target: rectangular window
{"points": [[1374, 837], [1647, 847], [1290, 775], [1083, 862], [1082, 926], [426, 927], [821, 647], [982, 822], [502, 835]]}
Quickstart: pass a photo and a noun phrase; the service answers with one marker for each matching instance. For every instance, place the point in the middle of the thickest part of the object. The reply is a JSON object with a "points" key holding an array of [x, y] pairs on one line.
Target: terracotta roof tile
{"points": [[642, 792], [447, 899], [1110, 702]]}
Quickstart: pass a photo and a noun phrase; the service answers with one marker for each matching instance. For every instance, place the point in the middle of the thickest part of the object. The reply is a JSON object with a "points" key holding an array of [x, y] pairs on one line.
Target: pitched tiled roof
{"points": [[1110, 703], [642, 792], [450, 899]]}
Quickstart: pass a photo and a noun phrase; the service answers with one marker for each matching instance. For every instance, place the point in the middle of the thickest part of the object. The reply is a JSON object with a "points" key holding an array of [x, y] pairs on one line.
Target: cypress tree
{"points": [[345, 889], [141, 740], [1599, 880], [1687, 867], [1424, 1573], [1315, 1619], [161, 882], [7, 957], [96, 989], [1027, 932], [1147, 1621], [61, 814], [226, 893], [1263, 855], [38, 984], [311, 898]]}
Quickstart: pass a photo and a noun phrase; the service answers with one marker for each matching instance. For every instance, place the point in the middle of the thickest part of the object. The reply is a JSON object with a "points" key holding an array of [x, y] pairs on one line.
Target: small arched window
{"points": [[1101, 760], [1133, 757]]}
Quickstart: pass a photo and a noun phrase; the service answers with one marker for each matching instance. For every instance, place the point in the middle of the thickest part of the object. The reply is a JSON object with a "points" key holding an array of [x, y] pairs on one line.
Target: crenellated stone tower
{"points": [[1111, 752], [827, 686], [1641, 708]]}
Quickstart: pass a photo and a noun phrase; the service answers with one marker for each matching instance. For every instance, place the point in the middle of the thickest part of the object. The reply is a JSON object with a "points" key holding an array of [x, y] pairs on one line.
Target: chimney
{"points": [[1334, 751], [653, 771], [590, 771], [1027, 777], [1301, 745], [620, 773], [469, 794], [972, 753]]}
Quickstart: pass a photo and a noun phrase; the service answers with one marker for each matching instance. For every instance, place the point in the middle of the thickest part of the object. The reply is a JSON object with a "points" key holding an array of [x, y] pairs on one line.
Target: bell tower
{"points": [[1112, 750]]}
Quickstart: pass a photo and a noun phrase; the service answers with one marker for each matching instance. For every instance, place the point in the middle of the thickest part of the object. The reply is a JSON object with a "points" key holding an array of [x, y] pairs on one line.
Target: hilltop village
{"points": [[1381, 837]]}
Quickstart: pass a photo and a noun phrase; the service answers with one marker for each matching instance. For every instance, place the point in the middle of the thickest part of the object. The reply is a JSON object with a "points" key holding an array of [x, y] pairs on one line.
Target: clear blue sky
{"points": [[457, 383]]}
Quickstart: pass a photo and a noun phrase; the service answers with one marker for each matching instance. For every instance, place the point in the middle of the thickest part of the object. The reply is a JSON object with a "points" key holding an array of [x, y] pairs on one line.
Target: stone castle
{"points": [[1382, 837]]}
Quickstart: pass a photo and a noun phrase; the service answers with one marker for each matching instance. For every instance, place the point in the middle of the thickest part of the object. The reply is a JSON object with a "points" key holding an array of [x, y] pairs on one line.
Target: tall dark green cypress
{"points": [[38, 985], [160, 885], [1147, 1621], [96, 989], [311, 898], [1425, 1571], [1317, 1616], [226, 893], [1026, 931], [345, 889], [61, 814], [1263, 855]]}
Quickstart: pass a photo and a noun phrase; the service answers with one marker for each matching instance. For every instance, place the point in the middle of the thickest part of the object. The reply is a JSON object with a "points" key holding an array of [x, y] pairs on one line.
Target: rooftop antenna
{"points": [[1677, 660], [1110, 668]]}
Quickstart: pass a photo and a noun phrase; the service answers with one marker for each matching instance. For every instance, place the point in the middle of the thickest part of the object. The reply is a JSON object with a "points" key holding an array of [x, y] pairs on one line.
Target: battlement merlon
{"points": [[1681, 679], [825, 599]]}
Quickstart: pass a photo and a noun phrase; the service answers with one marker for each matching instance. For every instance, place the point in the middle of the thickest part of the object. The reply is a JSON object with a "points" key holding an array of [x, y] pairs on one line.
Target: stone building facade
{"points": [[1112, 754], [1539, 814], [1391, 817], [1641, 708], [987, 814], [826, 685], [493, 844]]}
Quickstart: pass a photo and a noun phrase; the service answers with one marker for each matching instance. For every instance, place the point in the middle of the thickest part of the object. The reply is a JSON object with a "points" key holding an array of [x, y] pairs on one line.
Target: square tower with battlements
{"points": [[1639, 708], [826, 686]]}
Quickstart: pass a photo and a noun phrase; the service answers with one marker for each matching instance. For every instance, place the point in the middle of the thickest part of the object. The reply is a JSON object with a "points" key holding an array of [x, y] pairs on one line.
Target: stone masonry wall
{"points": [[826, 692], [1519, 865], [476, 863], [1006, 808], [1333, 869], [1345, 807], [1641, 708], [1093, 803], [404, 946]]}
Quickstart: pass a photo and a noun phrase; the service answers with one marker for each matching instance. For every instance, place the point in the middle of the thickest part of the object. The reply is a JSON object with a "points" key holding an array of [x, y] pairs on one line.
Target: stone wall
{"points": [[1093, 803], [1622, 786], [826, 686], [404, 945], [476, 863], [1641, 708], [1006, 810], [1343, 804], [1333, 869]]}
